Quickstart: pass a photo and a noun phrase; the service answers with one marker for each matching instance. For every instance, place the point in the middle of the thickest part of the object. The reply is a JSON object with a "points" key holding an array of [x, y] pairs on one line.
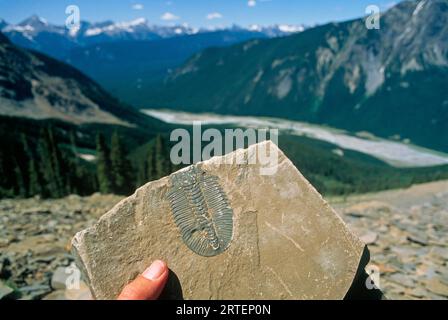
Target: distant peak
{"points": [[34, 20], [138, 21], [288, 28], [277, 29], [110, 26], [3, 24], [3, 38], [255, 27]]}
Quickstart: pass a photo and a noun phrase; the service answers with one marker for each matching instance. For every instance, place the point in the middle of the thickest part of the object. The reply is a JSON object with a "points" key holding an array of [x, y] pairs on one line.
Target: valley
{"points": [[391, 82], [397, 154]]}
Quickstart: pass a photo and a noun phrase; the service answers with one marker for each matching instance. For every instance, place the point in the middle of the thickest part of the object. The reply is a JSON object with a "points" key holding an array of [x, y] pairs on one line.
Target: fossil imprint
{"points": [[202, 211]]}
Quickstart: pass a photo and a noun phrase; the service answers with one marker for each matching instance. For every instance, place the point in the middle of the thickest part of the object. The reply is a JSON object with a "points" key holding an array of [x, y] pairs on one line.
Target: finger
{"points": [[148, 285]]}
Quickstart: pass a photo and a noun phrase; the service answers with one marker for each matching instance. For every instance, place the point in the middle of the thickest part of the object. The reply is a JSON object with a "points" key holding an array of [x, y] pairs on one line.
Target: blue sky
{"points": [[194, 12]]}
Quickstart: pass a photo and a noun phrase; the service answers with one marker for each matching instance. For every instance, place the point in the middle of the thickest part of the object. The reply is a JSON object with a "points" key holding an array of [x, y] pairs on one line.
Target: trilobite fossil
{"points": [[202, 211]]}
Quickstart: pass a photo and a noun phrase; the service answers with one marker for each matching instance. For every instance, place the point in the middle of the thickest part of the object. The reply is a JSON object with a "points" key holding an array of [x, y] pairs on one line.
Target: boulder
{"points": [[227, 231]]}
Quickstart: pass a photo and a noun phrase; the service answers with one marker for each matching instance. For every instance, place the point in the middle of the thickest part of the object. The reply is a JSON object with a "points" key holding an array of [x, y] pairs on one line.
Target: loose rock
{"points": [[436, 286], [412, 249], [38, 233], [369, 237]]}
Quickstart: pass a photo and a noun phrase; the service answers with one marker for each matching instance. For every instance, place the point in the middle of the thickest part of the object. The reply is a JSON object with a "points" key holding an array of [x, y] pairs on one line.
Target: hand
{"points": [[148, 285]]}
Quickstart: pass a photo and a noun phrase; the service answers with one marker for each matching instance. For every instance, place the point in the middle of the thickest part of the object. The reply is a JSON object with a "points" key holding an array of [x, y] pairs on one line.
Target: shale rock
{"points": [[227, 232], [5, 291]]}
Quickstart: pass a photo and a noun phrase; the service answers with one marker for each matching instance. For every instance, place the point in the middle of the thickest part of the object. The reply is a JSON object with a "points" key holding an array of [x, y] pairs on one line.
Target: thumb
{"points": [[148, 285]]}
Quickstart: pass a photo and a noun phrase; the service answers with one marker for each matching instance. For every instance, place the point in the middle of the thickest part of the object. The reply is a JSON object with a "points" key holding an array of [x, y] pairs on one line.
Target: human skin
{"points": [[148, 285]]}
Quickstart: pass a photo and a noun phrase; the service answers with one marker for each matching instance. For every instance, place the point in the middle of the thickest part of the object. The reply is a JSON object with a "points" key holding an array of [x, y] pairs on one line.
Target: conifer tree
{"points": [[61, 167], [52, 164], [73, 142], [76, 173], [2, 174], [151, 164], [20, 185], [103, 167], [8, 177], [121, 167], [142, 176], [34, 181], [162, 162]]}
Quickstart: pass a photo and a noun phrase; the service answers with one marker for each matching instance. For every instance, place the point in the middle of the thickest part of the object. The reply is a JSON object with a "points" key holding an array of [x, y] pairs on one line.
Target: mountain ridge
{"points": [[37, 34], [33, 85], [129, 68]]}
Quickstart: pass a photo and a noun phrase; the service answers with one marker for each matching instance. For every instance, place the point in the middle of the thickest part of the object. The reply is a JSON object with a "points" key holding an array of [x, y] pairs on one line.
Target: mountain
{"points": [[278, 30], [391, 82], [130, 69], [127, 58], [57, 40], [37, 34], [33, 85], [3, 24], [138, 29]]}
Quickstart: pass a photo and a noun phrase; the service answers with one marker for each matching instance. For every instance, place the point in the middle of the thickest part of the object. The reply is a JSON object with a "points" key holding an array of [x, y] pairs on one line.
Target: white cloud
{"points": [[168, 16], [214, 15], [252, 3], [137, 6]]}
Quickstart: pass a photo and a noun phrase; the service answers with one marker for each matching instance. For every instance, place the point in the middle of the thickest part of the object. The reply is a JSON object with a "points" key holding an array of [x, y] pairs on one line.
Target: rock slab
{"points": [[5, 291], [286, 241]]}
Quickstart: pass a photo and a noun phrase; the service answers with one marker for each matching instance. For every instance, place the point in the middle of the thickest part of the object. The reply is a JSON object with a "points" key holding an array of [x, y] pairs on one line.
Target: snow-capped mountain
{"points": [[32, 26], [36, 33], [278, 30], [138, 29], [3, 23], [271, 31]]}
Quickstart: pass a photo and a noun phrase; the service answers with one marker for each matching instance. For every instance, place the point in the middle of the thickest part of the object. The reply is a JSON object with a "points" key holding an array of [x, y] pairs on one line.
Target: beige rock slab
{"points": [[288, 243]]}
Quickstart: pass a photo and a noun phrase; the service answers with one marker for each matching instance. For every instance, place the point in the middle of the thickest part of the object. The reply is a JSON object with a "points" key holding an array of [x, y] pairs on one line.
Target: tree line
{"points": [[50, 169]]}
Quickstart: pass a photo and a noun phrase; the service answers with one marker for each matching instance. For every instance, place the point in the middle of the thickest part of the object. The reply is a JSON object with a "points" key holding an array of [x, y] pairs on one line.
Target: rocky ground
{"points": [[407, 234], [406, 230], [35, 240]]}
